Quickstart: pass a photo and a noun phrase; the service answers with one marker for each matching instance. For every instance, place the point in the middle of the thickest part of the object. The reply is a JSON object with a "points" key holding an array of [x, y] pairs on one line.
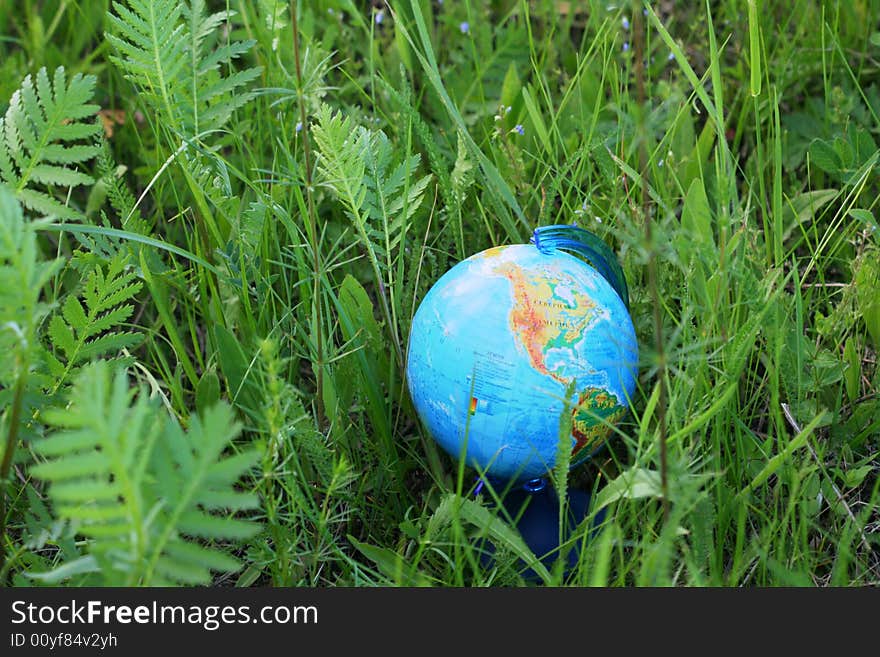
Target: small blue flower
{"points": [[626, 46], [299, 126], [380, 16], [671, 56], [625, 23], [518, 129], [464, 27]]}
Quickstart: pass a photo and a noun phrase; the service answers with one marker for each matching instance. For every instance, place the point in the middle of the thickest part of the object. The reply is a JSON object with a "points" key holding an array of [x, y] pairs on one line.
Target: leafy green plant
{"points": [[23, 275], [144, 493], [172, 52], [87, 329], [43, 134], [379, 196]]}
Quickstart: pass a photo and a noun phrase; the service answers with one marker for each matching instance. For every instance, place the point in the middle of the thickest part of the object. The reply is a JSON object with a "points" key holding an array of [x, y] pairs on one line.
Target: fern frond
{"points": [[89, 328], [341, 146], [39, 135], [358, 165], [169, 50], [140, 489], [389, 203], [151, 45]]}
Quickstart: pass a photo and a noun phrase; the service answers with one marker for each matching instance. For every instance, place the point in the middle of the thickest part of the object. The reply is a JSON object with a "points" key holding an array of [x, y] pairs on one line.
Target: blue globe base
{"points": [[535, 506]]}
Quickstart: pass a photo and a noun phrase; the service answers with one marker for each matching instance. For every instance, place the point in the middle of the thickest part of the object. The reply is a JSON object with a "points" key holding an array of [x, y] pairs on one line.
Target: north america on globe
{"points": [[498, 343]]}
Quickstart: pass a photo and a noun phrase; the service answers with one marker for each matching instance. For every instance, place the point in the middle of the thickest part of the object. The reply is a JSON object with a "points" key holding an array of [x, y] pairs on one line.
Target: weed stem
{"points": [[313, 225]]}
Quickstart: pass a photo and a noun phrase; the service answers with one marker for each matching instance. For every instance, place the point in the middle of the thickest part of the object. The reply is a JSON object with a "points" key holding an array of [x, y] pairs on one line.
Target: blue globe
{"points": [[505, 344]]}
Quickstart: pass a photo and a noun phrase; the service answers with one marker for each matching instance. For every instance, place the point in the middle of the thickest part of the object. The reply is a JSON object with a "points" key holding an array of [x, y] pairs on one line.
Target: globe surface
{"points": [[497, 343]]}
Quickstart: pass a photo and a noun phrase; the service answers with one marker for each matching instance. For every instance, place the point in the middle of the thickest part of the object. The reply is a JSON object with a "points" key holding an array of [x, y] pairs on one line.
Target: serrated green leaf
{"points": [[187, 552], [185, 573], [54, 175], [80, 566], [203, 525], [173, 54], [132, 481], [227, 500], [42, 119], [70, 467], [61, 335], [109, 342], [59, 154], [70, 441], [56, 367], [107, 321], [75, 314], [46, 205], [85, 491], [229, 469]]}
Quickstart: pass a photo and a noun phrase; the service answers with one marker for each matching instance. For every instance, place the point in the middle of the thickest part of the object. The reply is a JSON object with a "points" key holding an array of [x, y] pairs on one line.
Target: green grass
{"points": [[276, 208]]}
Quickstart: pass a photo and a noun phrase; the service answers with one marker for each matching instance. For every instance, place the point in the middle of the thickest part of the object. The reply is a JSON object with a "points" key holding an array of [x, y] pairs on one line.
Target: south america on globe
{"points": [[511, 339]]}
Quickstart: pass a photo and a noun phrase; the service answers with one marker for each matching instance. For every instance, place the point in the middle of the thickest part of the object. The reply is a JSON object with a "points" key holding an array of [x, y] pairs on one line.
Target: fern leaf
{"points": [[186, 552], [139, 489], [184, 573], [36, 132], [205, 525], [150, 41], [107, 321], [224, 499], [74, 313], [84, 331], [341, 146], [388, 202], [62, 335], [110, 342], [168, 50]]}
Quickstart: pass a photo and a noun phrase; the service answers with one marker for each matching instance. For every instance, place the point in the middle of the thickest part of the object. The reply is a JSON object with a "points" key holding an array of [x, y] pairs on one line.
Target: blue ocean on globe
{"points": [[497, 344]]}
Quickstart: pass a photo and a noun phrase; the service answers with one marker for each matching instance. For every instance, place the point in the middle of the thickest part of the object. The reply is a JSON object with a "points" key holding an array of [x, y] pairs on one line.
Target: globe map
{"points": [[509, 340]]}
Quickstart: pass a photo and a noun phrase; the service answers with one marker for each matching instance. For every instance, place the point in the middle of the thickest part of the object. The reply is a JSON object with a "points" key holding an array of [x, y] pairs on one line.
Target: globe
{"points": [[510, 341]]}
